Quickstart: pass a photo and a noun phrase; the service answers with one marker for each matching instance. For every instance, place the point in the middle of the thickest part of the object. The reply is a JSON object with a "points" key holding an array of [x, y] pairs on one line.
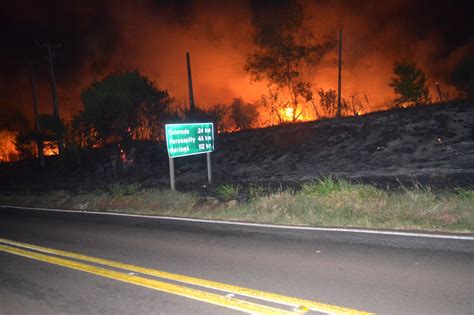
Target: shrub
{"points": [[228, 192]]}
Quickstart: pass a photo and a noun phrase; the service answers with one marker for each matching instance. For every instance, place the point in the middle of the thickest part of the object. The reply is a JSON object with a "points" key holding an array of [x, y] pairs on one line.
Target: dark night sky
{"points": [[92, 32]]}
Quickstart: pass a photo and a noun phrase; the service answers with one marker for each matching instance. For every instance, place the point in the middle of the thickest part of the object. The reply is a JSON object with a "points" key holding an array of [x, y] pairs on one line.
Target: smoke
{"points": [[375, 36], [217, 38], [100, 37]]}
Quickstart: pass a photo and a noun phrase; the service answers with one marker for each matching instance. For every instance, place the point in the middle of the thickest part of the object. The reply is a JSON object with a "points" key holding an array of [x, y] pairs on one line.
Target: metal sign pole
{"points": [[172, 180], [209, 168]]}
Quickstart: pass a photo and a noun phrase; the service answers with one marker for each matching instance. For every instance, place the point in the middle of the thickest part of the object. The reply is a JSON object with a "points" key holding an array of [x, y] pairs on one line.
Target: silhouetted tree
{"points": [[328, 102], [463, 76], [355, 104], [25, 145], [286, 53], [275, 104], [409, 83], [215, 114], [243, 114], [123, 106], [218, 114]]}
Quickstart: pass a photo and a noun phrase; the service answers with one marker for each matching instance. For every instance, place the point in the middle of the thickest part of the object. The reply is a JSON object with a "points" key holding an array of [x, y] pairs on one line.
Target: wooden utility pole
{"points": [[54, 94], [192, 106], [192, 111], [339, 76], [39, 142], [51, 54], [439, 92]]}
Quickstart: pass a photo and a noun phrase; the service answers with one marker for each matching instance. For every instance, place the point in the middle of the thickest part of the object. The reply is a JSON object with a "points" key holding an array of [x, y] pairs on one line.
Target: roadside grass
{"points": [[120, 190], [328, 202], [228, 192]]}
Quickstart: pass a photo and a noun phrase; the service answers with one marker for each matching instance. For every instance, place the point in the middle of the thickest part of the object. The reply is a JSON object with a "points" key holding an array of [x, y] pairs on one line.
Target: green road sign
{"points": [[189, 139]]}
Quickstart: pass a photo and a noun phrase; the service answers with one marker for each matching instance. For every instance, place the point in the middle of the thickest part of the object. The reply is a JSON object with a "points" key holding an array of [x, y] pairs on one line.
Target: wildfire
{"points": [[288, 113], [50, 148], [8, 152]]}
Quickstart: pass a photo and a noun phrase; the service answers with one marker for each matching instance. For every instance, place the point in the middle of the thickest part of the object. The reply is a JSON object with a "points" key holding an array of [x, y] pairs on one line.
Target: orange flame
{"points": [[8, 151], [288, 113], [50, 148]]}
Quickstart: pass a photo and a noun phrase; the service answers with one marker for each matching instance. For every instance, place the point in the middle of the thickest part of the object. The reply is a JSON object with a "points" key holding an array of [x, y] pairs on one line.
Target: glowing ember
{"points": [[123, 155], [125, 158]]}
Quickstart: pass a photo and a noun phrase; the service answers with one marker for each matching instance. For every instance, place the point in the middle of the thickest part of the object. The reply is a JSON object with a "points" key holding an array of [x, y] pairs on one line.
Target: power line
{"points": [[200, 69]]}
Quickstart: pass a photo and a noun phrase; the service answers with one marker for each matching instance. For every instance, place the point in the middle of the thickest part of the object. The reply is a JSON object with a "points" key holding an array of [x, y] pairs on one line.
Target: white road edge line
{"points": [[283, 227]]}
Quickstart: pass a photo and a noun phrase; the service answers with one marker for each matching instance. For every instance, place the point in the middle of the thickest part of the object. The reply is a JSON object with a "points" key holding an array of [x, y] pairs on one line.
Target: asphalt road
{"points": [[385, 274]]}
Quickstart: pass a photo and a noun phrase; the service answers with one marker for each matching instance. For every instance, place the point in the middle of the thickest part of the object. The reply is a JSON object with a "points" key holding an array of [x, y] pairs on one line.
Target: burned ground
{"points": [[432, 145], [428, 145]]}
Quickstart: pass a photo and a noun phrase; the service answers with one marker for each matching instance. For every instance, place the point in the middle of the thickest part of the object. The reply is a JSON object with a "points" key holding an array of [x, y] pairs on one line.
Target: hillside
{"points": [[432, 145]]}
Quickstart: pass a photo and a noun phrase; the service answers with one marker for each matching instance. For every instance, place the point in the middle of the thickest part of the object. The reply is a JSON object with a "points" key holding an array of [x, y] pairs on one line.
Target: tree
{"points": [[123, 106], [409, 83], [354, 105], [243, 114], [286, 54], [217, 114], [25, 145], [463, 76], [328, 102]]}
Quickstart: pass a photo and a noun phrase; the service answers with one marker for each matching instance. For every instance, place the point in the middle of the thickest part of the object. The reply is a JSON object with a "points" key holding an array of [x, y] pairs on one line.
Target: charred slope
{"points": [[431, 144]]}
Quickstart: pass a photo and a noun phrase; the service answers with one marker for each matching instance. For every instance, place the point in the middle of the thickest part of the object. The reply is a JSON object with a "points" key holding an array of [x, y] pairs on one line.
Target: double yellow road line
{"points": [[294, 305]]}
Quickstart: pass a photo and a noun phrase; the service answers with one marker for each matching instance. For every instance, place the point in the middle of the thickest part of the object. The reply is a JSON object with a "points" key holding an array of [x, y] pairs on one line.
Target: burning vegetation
{"points": [[8, 151]]}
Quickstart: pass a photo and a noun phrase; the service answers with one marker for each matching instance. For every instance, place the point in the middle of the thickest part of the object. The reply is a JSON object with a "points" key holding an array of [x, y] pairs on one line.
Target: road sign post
{"points": [[172, 180], [209, 169], [189, 139]]}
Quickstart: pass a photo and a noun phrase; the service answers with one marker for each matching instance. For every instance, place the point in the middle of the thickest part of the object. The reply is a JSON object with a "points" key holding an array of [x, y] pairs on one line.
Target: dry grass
{"points": [[322, 203]]}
